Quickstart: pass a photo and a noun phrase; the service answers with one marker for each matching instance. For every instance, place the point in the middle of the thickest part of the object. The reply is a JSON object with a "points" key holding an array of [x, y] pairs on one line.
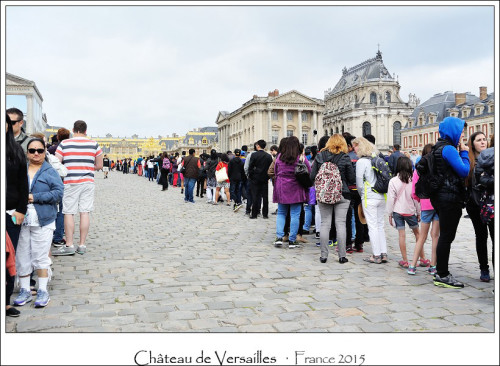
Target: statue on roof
{"points": [[344, 71], [379, 55]]}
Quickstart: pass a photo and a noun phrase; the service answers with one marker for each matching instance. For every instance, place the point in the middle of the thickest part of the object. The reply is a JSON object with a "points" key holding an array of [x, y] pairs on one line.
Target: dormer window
{"points": [[388, 97], [373, 98], [465, 114]]}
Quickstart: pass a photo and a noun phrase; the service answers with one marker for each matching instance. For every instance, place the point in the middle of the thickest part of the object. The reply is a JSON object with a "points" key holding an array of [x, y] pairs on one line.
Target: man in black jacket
{"points": [[235, 174], [257, 175]]}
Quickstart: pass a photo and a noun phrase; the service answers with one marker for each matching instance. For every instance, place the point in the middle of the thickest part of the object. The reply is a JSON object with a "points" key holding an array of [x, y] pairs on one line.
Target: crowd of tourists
{"points": [[343, 192]]}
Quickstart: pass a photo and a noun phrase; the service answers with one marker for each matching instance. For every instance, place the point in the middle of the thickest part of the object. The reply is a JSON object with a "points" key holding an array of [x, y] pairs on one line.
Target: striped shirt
{"points": [[78, 156]]}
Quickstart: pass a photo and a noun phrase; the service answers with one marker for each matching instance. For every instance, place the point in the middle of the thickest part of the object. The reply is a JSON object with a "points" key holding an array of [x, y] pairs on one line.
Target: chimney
{"points": [[459, 98], [255, 96], [276, 92], [483, 94], [270, 94]]}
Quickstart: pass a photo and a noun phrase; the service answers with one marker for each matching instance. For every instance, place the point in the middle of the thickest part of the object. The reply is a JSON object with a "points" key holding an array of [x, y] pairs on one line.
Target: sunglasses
{"points": [[32, 151]]}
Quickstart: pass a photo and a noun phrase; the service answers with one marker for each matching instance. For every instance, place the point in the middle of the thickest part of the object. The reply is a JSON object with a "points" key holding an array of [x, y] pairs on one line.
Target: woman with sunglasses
{"points": [[45, 191]]}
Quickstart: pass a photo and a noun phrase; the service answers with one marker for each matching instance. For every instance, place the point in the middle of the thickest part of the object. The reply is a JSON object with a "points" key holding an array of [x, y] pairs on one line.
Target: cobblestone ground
{"points": [[157, 264]]}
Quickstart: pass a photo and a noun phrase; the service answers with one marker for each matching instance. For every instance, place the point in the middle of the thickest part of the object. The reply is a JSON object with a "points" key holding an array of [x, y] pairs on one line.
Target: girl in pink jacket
{"points": [[428, 215], [401, 207]]}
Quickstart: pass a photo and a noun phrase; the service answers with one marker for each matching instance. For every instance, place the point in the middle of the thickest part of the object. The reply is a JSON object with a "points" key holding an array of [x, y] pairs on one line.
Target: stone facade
{"points": [[366, 101], [423, 125], [271, 118], [35, 119]]}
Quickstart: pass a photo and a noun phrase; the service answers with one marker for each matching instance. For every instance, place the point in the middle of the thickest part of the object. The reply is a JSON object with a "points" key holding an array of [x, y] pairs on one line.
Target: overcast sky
{"points": [[156, 70]]}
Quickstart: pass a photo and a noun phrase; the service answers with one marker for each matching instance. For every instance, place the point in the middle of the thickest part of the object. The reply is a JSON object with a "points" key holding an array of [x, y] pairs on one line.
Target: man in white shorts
{"points": [[81, 156], [105, 166]]}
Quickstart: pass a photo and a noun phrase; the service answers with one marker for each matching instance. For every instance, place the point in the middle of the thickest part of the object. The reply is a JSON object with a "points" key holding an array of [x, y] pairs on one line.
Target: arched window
{"points": [[337, 129], [396, 133], [331, 131], [367, 128], [326, 132], [388, 97], [373, 98]]}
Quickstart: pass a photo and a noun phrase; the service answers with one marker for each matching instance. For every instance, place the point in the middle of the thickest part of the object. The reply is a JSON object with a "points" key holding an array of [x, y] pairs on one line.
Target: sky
{"points": [[158, 70]]}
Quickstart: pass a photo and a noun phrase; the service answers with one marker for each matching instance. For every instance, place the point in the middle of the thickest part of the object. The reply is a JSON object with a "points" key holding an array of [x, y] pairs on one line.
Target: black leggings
{"points": [[449, 216], [481, 231]]}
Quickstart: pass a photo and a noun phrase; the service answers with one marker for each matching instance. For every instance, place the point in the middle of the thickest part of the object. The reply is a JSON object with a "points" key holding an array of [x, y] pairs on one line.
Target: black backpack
{"points": [[429, 181], [382, 173]]}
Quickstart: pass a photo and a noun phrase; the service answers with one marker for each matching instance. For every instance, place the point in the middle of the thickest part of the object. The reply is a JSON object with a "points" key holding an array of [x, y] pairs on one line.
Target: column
{"points": [[299, 111], [283, 127], [269, 126], [29, 119], [315, 126]]}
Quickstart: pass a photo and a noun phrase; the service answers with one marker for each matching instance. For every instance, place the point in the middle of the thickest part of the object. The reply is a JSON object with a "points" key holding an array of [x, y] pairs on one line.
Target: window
{"points": [[420, 140], [491, 129], [465, 114], [326, 132], [274, 115], [337, 129], [478, 128], [420, 120], [304, 138], [304, 116], [342, 128], [331, 131], [478, 111], [191, 141], [289, 116], [274, 137], [373, 98], [204, 141], [396, 133], [387, 97], [289, 133], [367, 128]]}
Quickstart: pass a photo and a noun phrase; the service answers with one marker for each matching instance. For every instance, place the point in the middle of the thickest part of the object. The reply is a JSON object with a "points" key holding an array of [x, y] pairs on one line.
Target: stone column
{"points": [[30, 127], [299, 111], [315, 125], [269, 126], [284, 123]]}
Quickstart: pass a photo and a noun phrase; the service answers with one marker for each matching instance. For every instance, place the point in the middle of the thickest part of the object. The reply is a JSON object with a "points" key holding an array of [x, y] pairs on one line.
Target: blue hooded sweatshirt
{"points": [[451, 129]]}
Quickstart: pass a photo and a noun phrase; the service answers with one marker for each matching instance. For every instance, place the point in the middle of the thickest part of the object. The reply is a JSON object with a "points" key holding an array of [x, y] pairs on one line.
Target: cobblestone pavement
{"points": [[157, 264]]}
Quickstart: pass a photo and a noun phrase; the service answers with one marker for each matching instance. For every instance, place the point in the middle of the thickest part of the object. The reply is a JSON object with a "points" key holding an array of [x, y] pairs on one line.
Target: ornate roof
{"points": [[369, 70]]}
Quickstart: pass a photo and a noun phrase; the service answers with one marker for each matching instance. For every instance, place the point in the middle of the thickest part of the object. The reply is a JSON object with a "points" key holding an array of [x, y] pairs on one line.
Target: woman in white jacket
{"points": [[373, 203]]}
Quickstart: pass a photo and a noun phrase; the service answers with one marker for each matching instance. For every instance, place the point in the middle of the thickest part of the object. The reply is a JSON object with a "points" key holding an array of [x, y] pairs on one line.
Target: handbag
{"points": [[302, 175], [221, 175]]}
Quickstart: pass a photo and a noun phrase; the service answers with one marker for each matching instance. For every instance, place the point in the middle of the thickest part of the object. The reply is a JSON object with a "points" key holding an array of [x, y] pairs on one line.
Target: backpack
{"points": [[166, 164], [487, 205], [429, 181], [383, 174], [328, 184]]}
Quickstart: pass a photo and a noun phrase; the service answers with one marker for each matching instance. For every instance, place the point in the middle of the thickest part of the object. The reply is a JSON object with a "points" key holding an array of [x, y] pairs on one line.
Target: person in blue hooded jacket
{"points": [[451, 166], [45, 192]]}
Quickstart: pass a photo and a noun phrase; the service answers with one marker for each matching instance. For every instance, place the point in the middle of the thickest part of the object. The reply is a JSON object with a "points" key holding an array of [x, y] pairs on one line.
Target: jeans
{"points": [[171, 178], [188, 189], [449, 217], [234, 191], [308, 218], [294, 220], [59, 232], [150, 174], [481, 231]]}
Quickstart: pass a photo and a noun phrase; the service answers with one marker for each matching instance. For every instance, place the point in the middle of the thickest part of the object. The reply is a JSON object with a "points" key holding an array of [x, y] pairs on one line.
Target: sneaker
{"points": [[278, 242], [358, 249], [412, 270], [349, 250], [294, 244], [448, 281], [23, 297], [42, 298], [343, 260], [59, 243], [13, 312], [64, 250], [81, 249], [485, 276], [316, 235], [432, 270], [318, 244], [331, 243], [236, 207]]}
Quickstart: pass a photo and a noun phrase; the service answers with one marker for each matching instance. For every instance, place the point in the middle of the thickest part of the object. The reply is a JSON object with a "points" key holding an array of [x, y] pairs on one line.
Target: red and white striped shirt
{"points": [[78, 156]]}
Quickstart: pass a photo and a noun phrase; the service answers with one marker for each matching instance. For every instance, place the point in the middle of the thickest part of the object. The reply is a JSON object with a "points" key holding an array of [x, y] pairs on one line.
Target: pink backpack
{"points": [[328, 184], [166, 164]]}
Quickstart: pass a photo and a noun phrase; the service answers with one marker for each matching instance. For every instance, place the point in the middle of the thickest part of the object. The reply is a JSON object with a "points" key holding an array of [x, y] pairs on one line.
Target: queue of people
{"points": [[343, 191]]}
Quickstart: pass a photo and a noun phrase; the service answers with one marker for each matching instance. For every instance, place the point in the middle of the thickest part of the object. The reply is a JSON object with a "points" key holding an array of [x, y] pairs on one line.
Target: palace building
{"points": [[366, 101], [24, 95], [423, 125], [271, 118]]}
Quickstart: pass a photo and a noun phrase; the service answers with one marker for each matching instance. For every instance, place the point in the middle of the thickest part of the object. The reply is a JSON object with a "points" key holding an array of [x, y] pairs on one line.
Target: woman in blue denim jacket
{"points": [[45, 191]]}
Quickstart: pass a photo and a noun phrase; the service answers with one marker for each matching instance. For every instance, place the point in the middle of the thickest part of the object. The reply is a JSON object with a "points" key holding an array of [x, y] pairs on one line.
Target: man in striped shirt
{"points": [[81, 156]]}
